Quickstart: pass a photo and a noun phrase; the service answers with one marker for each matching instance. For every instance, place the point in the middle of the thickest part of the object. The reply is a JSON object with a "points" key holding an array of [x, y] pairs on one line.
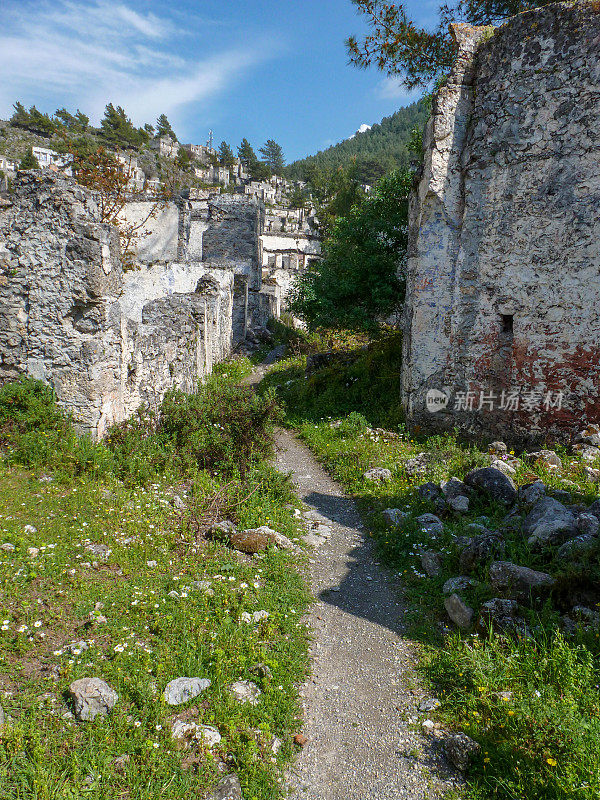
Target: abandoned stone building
{"points": [[106, 339], [502, 317]]}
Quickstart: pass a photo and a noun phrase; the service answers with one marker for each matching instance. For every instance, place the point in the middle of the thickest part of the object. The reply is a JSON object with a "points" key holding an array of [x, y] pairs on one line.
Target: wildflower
{"points": [[137, 723], [552, 761], [37, 623]]}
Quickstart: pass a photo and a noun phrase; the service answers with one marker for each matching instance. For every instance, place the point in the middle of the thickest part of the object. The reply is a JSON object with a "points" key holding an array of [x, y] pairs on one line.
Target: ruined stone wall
{"points": [[503, 285], [105, 340]]}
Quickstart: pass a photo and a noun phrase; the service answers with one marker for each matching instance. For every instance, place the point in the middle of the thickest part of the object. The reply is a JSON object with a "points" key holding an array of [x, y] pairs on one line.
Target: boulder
{"points": [[494, 483], [545, 458], [587, 452], [505, 467], [429, 491], [591, 474], [595, 508], [255, 540], [379, 474], [245, 692], [549, 522], [530, 493], [431, 563], [519, 583], [497, 449], [588, 524], [480, 549], [183, 731], [461, 750], [458, 584], [459, 504], [417, 465], [394, 516], [454, 487], [228, 789], [181, 690], [92, 697], [430, 524], [459, 612], [589, 435], [574, 548], [501, 614]]}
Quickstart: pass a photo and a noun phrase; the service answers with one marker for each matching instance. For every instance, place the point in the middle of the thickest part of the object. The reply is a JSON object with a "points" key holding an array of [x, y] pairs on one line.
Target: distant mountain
{"points": [[377, 150]]}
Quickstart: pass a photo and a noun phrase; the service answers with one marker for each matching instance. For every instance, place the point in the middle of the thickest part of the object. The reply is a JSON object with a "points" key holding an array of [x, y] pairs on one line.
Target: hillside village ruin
{"points": [[501, 323]]}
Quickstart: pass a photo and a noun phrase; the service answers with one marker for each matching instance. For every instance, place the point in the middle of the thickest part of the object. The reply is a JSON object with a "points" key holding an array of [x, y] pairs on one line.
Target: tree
{"points": [[29, 161], [226, 157], [246, 154], [273, 156], [20, 117], [297, 198], [74, 123], [357, 285], [117, 130], [398, 46], [163, 128]]}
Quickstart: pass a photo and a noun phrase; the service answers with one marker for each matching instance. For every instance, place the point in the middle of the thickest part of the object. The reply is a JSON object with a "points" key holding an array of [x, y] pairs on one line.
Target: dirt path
{"points": [[363, 693]]}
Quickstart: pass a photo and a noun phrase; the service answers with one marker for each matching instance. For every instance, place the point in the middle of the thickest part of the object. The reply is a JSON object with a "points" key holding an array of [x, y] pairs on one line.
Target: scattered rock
{"points": [[300, 739], [520, 583], [461, 749], [120, 763], [493, 482], [454, 487], [245, 692], [459, 504], [530, 493], [228, 789], [8, 547], [33, 552], [379, 474], [429, 704], [417, 465], [586, 615], [2, 717], [497, 449], [561, 495], [30, 529], [100, 550], [549, 522], [501, 614], [430, 524], [546, 458], [458, 584], [181, 690], [576, 547], [595, 508], [394, 516], [480, 549], [587, 452], [254, 540], [92, 697], [151, 564], [432, 563], [459, 612], [182, 731], [588, 524], [429, 491], [263, 670], [505, 467], [590, 435], [178, 503]]}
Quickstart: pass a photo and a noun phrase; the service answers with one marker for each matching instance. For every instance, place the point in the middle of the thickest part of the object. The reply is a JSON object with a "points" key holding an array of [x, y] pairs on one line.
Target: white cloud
{"points": [[85, 54]]}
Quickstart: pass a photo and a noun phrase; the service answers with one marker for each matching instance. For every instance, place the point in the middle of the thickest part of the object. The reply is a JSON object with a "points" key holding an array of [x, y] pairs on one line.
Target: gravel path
{"points": [[363, 691]]}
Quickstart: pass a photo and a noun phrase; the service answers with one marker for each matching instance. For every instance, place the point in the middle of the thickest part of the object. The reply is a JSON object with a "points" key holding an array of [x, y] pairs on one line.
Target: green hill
{"points": [[376, 151]]}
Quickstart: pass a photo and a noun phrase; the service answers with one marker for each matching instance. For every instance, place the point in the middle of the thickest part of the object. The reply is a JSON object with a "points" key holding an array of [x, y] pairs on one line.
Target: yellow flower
{"points": [[552, 761], [511, 713]]}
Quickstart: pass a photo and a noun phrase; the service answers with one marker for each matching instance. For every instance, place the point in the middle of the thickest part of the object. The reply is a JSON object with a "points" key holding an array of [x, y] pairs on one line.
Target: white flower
{"points": [[155, 745], [37, 623], [158, 727], [137, 723], [119, 648], [22, 629]]}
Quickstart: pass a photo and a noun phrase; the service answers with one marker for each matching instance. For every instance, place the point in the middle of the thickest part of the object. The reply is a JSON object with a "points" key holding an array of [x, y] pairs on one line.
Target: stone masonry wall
{"points": [[106, 341], [502, 319]]}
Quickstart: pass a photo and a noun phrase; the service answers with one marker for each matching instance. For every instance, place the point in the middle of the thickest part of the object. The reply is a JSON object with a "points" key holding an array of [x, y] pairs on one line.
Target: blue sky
{"points": [[256, 68]]}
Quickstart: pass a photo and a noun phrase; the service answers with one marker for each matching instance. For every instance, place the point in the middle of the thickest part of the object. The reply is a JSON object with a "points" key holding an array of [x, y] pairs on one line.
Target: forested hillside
{"points": [[376, 151]]}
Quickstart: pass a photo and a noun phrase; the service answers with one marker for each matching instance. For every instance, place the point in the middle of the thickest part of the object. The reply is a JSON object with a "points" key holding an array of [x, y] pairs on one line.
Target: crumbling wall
{"points": [[105, 340], [502, 318]]}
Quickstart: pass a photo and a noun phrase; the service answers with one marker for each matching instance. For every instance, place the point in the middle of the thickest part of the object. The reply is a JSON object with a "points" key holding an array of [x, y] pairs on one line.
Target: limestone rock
{"points": [[245, 692], [572, 549], [432, 563], [100, 550], [454, 487], [460, 504], [394, 516], [92, 697], [458, 584], [181, 690], [430, 524], [461, 750], [549, 522], [497, 449], [530, 493], [520, 583], [547, 458], [588, 524], [501, 614], [459, 612], [587, 452], [379, 474], [505, 467], [182, 731], [590, 435], [255, 540], [228, 789], [480, 549], [429, 491], [417, 465], [494, 483]]}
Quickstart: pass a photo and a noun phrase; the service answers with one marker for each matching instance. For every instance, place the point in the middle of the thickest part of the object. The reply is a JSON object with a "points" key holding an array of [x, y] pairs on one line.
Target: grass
{"points": [[533, 704], [157, 624]]}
